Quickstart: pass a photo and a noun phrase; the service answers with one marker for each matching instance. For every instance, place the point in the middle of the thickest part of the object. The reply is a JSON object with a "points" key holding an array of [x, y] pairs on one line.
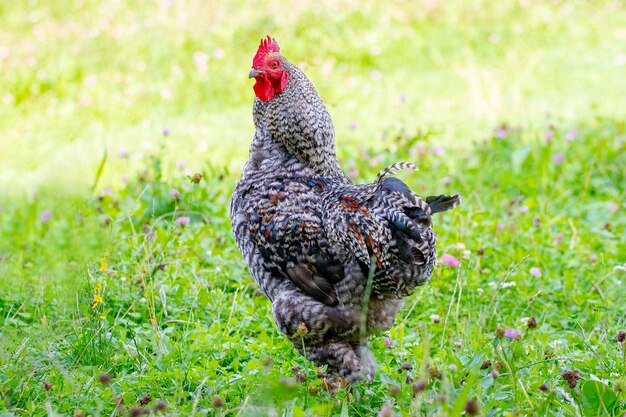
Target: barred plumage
{"points": [[393, 169], [335, 259]]}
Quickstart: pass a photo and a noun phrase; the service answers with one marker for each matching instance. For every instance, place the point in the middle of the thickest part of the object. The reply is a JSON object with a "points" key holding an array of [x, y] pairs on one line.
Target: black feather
{"points": [[443, 202]]}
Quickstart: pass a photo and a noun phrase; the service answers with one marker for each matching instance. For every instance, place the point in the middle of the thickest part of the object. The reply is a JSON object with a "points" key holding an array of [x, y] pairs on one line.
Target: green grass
{"points": [[111, 285]]}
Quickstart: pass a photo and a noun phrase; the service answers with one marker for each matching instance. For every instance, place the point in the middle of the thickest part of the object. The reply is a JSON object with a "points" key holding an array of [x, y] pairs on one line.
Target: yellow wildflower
{"points": [[97, 300], [103, 264]]}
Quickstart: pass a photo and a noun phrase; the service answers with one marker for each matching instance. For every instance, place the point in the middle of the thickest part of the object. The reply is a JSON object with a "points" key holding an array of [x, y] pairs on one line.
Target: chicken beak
{"points": [[254, 73]]}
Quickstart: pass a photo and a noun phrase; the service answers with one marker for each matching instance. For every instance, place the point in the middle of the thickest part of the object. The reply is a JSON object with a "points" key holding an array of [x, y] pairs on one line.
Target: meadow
{"points": [[125, 124]]}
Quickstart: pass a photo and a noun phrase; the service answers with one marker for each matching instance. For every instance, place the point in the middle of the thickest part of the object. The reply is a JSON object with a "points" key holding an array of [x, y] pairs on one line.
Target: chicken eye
{"points": [[274, 64]]}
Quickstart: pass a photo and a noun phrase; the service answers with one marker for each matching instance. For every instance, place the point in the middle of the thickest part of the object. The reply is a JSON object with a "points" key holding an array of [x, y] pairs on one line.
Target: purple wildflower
{"points": [[511, 334], [446, 180], [385, 411], [558, 159], [536, 221], [123, 153], [45, 216], [180, 164], [165, 131], [353, 125], [438, 150], [452, 367], [124, 177], [494, 374], [570, 136], [535, 272], [501, 132], [549, 136], [523, 209], [389, 343], [182, 221], [107, 191], [175, 193], [450, 260]]}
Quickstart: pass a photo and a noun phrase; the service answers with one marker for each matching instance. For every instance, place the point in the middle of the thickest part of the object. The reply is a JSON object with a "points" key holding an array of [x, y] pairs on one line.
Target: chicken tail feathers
{"points": [[443, 202], [392, 169]]}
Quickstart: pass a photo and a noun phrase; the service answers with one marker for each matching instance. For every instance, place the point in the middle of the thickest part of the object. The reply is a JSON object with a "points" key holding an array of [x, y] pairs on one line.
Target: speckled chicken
{"points": [[336, 259]]}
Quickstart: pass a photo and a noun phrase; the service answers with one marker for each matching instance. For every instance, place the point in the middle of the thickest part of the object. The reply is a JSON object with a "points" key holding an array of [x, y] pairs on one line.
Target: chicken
{"points": [[336, 259]]}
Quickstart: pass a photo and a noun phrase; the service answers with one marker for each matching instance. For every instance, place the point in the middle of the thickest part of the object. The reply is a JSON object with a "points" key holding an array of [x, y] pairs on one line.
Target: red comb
{"points": [[267, 45]]}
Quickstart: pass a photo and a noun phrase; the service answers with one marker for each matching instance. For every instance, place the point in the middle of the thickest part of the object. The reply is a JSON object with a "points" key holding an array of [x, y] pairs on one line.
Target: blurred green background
{"points": [[518, 105], [79, 77]]}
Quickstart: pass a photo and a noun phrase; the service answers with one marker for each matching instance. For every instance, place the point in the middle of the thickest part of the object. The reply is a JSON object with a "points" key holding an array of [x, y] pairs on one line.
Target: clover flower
{"points": [[511, 334], [389, 343], [385, 411], [182, 221], [450, 260], [438, 150], [558, 159], [501, 132], [535, 272], [45, 216]]}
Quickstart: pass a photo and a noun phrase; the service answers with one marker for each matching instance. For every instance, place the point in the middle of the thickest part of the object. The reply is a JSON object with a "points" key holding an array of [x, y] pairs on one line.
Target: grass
{"points": [[108, 302]]}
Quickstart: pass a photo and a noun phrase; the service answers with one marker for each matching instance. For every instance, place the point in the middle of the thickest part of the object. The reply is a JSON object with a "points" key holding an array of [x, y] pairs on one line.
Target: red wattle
{"points": [[283, 81], [263, 89]]}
